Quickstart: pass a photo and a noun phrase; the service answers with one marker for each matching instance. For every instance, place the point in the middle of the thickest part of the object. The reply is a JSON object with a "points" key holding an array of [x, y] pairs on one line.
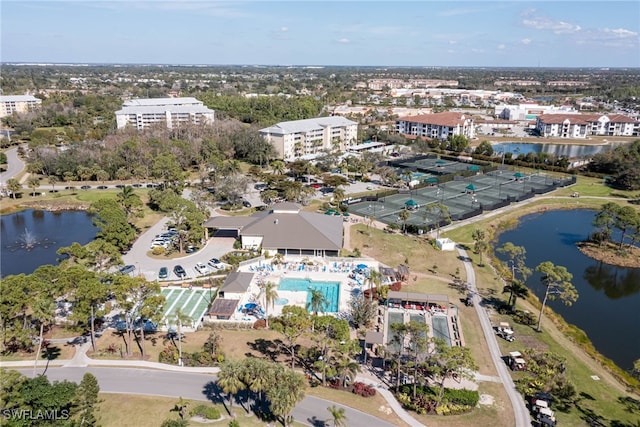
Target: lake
{"points": [[568, 150], [607, 308], [31, 238]]}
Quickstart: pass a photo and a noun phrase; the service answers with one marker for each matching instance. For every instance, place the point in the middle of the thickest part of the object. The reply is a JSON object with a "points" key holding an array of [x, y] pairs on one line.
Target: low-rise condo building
{"points": [[583, 125], [172, 112], [10, 104], [437, 125]]}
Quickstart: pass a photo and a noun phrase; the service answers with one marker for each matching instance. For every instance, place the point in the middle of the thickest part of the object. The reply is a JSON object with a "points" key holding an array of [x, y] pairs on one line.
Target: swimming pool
{"points": [[331, 290], [281, 301]]}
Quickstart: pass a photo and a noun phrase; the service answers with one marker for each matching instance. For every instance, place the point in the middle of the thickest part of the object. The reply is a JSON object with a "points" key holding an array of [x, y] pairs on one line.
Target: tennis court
{"points": [[464, 196], [193, 303]]}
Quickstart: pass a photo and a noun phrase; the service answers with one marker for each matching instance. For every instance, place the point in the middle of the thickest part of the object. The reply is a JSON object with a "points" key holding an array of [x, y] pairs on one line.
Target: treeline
{"points": [[622, 164], [38, 402], [263, 110], [160, 154]]}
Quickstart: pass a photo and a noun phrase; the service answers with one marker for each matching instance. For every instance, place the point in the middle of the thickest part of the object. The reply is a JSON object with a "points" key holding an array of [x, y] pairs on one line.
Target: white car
{"points": [[201, 268]]}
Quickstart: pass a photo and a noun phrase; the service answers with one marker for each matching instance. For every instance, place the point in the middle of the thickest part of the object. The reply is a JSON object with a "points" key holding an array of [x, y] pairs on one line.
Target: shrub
{"points": [[169, 355], [462, 397], [395, 286], [204, 411], [362, 389]]}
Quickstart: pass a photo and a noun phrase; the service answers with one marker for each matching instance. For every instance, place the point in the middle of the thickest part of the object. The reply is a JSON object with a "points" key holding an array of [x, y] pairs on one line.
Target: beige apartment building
{"points": [[10, 104], [172, 112], [437, 125], [304, 139]]}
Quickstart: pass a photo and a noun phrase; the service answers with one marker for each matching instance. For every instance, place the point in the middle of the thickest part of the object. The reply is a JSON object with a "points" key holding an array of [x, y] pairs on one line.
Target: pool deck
{"points": [[321, 270]]}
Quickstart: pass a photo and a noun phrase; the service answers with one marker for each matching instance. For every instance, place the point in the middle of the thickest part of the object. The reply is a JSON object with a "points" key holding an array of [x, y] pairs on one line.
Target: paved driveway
{"points": [[138, 255]]}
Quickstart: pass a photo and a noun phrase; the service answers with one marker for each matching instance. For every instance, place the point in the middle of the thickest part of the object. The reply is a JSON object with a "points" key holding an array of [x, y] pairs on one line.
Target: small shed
{"points": [[235, 285], [445, 244], [402, 273], [223, 308]]}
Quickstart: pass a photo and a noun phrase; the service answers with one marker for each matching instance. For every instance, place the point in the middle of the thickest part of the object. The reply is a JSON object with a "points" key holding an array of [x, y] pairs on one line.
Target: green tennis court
{"points": [[193, 303]]}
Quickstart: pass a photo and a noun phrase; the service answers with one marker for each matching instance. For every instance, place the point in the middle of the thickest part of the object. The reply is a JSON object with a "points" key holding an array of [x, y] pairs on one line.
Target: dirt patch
{"points": [[486, 399], [609, 254]]}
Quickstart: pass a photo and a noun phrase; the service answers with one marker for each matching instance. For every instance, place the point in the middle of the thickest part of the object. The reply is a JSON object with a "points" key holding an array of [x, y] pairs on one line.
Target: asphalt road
{"points": [[14, 166], [520, 410], [311, 411]]}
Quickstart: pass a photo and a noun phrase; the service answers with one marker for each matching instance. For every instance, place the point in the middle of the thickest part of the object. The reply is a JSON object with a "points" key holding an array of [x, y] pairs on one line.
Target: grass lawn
{"points": [[118, 410], [57, 351], [393, 249], [375, 405], [498, 413]]}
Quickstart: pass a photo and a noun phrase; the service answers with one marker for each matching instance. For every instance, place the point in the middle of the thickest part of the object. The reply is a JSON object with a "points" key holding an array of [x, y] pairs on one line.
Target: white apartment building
{"points": [[583, 125], [10, 104], [307, 138], [437, 125], [529, 111], [142, 113]]}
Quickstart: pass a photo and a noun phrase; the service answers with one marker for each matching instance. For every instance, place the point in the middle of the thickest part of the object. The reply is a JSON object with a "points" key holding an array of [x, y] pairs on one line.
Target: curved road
{"points": [[311, 411], [14, 166], [521, 413]]}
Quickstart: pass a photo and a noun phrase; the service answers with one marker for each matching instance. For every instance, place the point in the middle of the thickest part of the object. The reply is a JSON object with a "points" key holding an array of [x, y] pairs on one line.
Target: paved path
{"points": [[521, 413]]}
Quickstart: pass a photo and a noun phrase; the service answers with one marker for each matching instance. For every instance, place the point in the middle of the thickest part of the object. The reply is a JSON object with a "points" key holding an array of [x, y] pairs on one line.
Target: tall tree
{"points": [[449, 362], [440, 213], [270, 294], [480, 245], [517, 260], [318, 301], [557, 282], [404, 217], [14, 186], [86, 400], [293, 323], [287, 391], [230, 379]]}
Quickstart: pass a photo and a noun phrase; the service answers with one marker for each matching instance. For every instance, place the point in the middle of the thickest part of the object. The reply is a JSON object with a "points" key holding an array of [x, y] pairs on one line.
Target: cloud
{"points": [[501, 46], [343, 40], [526, 41], [217, 9], [611, 37], [452, 42], [284, 29], [540, 22], [459, 11]]}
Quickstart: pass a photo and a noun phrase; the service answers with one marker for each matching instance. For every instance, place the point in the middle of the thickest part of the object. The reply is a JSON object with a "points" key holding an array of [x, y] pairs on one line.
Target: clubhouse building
{"points": [[286, 230]]}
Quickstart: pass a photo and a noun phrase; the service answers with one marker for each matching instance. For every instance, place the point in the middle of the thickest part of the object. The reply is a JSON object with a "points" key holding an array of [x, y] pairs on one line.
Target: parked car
{"points": [[215, 263], [163, 273], [127, 269], [202, 268], [246, 204], [179, 271]]}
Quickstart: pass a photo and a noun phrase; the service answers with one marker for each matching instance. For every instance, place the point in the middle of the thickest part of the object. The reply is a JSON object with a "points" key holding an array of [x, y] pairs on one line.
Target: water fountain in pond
{"points": [[29, 241]]}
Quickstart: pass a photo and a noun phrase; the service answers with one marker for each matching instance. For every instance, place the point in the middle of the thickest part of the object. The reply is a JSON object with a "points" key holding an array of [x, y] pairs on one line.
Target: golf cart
{"points": [[504, 331]]}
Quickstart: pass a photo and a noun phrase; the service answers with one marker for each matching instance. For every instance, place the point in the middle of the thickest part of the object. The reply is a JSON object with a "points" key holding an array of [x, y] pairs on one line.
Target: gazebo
{"points": [[411, 204], [432, 180], [518, 175], [470, 188]]}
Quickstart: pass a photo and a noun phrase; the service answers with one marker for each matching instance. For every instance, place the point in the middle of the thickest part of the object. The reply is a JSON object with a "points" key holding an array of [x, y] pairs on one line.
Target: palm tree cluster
{"points": [[271, 389]]}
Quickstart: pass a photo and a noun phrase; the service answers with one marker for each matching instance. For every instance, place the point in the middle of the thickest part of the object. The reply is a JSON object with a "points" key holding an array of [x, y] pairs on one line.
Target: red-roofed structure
{"points": [[583, 125], [437, 125]]}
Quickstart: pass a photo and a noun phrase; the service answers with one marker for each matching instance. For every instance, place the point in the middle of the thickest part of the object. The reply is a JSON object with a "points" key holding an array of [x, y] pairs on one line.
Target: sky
{"points": [[577, 33]]}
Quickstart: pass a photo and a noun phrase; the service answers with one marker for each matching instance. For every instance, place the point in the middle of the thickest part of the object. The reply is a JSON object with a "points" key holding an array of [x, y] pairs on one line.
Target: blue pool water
{"points": [[331, 290], [281, 301]]}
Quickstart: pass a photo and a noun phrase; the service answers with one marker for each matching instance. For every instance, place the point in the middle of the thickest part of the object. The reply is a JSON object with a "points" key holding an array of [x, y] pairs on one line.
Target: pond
{"points": [[31, 238], [568, 150], [607, 308]]}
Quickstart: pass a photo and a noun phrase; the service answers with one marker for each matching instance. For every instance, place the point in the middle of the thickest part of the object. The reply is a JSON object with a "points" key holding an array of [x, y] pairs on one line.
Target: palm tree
{"points": [[338, 195], [230, 379], [270, 294], [346, 367], [318, 301], [374, 279], [278, 167], [180, 318], [404, 216], [339, 418]]}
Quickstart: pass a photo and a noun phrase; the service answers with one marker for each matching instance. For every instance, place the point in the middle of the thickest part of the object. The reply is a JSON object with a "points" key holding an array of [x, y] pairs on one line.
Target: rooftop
{"points": [[297, 126], [447, 118]]}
